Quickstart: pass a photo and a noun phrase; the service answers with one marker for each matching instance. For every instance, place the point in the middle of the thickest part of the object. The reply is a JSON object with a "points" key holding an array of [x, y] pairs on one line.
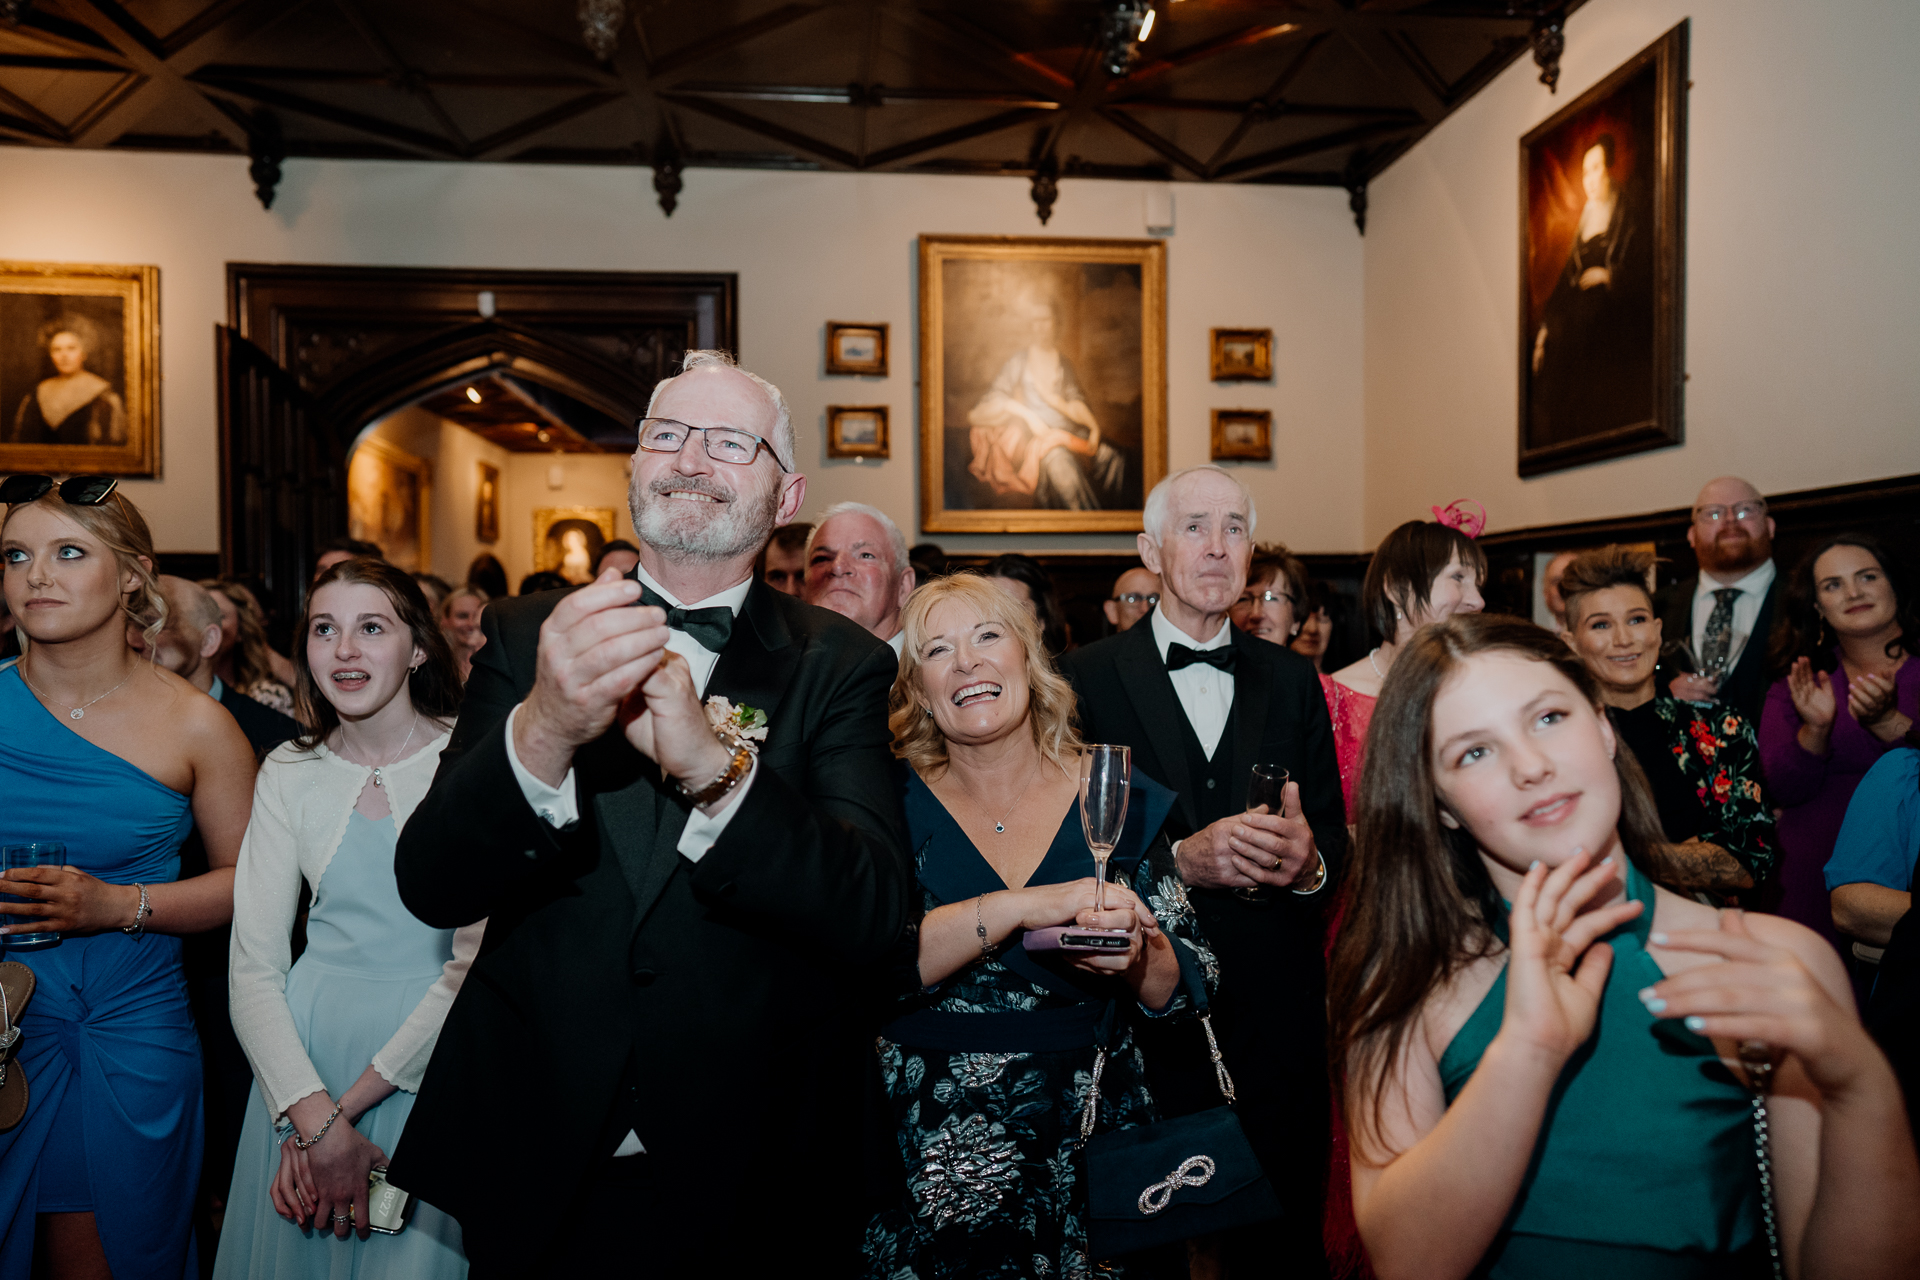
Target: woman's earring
{"points": [[415, 667]]}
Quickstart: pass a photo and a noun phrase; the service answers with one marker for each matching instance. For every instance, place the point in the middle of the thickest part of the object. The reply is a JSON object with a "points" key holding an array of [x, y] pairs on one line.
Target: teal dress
{"points": [[113, 1124], [367, 965], [1645, 1162]]}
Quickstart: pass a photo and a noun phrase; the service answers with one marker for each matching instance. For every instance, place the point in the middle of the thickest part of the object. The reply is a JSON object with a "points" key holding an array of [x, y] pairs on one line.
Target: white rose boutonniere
{"points": [[743, 725]]}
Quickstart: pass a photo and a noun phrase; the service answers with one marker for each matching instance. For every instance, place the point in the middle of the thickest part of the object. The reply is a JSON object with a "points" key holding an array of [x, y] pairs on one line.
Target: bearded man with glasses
{"points": [[1724, 612], [685, 901]]}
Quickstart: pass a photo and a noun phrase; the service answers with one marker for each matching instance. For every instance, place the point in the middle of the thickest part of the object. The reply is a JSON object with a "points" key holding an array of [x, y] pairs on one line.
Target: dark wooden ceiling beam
{"points": [[720, 42], [1257, 110], [767, 129], [415, 140], [261, 74], [982, 52], [34, 118], [495, 146], [397, 66], [160, 82], [54, 62], [1268, 111], [965, 27], [947, 137], [1245, 38], [861, 95], [1133, 128], [22, 130], [1366, 34], [572, 52], [1278, 156]]}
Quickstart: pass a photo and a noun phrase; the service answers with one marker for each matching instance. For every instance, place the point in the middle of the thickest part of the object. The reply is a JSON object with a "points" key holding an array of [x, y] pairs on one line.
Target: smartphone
{"points": [[1071, 937], [389, 1209]]}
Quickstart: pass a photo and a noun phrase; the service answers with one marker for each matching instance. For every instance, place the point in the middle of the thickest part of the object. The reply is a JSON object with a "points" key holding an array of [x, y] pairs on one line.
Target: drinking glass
{"points": [[1106, 780], [1268, 787], [18, 857]]}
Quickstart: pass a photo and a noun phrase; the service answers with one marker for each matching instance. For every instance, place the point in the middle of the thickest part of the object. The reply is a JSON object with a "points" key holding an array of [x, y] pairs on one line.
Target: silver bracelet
{"points": [[980, 927], [139, 925]]}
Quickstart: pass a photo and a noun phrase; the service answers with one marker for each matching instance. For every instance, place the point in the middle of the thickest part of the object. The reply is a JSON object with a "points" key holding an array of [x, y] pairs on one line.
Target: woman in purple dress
{"points": [[1844, 694]]}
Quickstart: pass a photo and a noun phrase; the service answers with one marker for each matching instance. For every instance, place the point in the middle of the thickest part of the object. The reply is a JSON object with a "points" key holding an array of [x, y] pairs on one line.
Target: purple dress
{"points": [[1814, 790]]}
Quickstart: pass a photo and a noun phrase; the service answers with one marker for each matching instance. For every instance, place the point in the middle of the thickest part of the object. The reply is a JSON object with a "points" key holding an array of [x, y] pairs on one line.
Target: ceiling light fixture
{"points": [[473, 395], [600, 23], [1122, 28]]}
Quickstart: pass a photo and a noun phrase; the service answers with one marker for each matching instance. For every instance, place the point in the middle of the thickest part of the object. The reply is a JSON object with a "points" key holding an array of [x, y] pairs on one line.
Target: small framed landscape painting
{"points": [[857, 431], [856, 348], [1242, 355], [79, 368], [1242, 435]]}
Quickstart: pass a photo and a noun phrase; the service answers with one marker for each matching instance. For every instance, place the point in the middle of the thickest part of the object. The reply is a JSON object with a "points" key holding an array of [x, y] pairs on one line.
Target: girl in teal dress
{"points": [[1543, 1050], [116, 758]]}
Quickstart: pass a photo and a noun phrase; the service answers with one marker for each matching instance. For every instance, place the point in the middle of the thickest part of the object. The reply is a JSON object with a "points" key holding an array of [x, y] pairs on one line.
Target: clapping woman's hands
{"points": [[1870, 699], [1762, 992], [1812, 693], [1557, 966]]}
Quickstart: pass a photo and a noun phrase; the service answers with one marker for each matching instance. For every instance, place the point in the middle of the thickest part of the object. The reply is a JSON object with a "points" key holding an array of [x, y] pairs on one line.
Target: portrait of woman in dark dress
{"points": [[75, 405], [1592, 361]]}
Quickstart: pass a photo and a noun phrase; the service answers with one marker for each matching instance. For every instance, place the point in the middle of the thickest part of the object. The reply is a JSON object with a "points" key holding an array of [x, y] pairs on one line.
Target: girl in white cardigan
{"points": [[340, 1040]]}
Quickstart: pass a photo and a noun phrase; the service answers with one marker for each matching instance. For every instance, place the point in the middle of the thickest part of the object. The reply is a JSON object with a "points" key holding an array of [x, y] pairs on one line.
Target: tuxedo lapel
{"points": [[753, 670], [1252, 692], [1144, 677]]}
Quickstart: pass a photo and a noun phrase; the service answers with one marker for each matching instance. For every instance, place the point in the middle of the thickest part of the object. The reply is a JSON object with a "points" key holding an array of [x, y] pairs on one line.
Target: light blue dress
{"points": [[367, 965], [113, 1124]]}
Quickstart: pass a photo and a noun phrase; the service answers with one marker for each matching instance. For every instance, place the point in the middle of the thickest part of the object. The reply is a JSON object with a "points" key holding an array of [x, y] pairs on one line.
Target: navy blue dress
{"points": [[987, 1073], [113, 1123]]}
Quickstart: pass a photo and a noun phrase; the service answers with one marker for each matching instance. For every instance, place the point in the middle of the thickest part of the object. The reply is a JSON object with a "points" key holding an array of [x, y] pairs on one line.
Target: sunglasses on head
{"points": [[76, 491]]}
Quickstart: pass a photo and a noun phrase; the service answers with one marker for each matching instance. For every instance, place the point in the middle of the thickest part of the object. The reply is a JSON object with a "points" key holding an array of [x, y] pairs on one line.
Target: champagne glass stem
{"points": [[1100, 880]]}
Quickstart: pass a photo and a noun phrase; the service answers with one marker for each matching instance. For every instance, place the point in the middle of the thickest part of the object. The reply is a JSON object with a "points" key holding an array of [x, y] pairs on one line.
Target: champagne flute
{"points": [[1268, 786], [1106, 781]]}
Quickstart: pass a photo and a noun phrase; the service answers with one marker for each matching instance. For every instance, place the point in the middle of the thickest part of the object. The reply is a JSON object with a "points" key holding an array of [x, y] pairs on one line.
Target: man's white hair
{"points": [[896, 541], [1153, 520], [782, 440]]}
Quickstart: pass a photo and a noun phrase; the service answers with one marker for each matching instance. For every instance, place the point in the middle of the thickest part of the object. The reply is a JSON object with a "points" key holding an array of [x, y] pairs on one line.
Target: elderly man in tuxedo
{"points": [[1201, 702], [658, 1063]]}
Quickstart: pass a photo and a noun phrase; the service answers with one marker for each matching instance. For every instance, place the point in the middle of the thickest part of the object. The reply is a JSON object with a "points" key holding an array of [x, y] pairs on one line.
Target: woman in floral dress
{"points": [[988, 1056]]}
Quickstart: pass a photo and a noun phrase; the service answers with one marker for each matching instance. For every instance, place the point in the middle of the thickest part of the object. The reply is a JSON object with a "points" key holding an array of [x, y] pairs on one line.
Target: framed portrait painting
{"points": [[486, 503], [857, 431], [566, 540], [389, 502], [79, 368], [1602, 247], [1043, 382]]}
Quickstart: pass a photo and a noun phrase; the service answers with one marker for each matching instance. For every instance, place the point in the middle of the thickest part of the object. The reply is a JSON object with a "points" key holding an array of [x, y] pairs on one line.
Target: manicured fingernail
{"points": [[1695, 1023], [1653, 1002], [1533, 864], [1607, 861], [1658, 939]]}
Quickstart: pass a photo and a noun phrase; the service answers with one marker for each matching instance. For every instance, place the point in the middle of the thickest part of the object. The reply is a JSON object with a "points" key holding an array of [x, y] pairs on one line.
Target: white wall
{"points": [[1803, 273], [808, 248]]}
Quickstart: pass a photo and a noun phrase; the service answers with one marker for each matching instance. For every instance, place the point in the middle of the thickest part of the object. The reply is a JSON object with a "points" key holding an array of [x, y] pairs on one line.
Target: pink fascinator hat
{"points": [[1464, 514]]}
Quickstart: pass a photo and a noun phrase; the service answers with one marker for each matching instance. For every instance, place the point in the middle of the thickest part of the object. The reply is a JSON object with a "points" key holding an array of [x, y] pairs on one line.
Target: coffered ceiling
{"points": [[1317, 92]]}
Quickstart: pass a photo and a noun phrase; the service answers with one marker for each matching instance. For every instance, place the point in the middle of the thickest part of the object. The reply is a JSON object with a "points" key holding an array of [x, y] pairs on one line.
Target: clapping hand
{"points": [[1762, 992], [1870, 699], [1812, 693], [665, 722], [596, 648], [1557, 966]]}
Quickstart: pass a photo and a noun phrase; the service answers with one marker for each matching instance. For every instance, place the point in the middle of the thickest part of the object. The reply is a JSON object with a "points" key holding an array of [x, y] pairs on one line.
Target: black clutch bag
{"points": [[1179, 1178]]}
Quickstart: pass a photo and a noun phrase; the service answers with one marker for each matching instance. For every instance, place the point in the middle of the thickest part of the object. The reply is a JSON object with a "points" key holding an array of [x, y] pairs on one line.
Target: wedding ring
{"points": [[339, 1218]]}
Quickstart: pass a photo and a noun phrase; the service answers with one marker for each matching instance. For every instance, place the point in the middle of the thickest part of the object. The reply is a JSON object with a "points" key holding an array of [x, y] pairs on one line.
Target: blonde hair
{"points": [[444, 609], [1051, 706], [121, 528], [252, 656]]}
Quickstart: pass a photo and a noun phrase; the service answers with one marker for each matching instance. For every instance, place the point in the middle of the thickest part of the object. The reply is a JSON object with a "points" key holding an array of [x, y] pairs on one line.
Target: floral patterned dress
{"points": [[1703, 763], [987, 1073]]}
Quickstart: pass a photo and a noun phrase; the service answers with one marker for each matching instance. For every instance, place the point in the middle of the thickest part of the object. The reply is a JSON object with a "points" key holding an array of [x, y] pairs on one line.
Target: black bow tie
{"points": [[1179, 655], [711, 627]]}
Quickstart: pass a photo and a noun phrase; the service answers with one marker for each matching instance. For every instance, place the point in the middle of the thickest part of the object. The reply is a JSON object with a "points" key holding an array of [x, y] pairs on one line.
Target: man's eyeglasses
{"points": [[724, 444], [1264, 597], [1147, 598], [76, 491], [1718, 514]]}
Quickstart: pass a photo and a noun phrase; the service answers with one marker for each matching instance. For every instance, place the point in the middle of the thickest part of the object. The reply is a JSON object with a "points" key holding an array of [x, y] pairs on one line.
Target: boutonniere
{"points": [[744, 725]]}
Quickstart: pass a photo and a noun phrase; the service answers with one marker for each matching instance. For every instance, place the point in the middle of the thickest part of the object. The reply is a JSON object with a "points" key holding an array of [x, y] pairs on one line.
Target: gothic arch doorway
{"points": [[311, 355]]}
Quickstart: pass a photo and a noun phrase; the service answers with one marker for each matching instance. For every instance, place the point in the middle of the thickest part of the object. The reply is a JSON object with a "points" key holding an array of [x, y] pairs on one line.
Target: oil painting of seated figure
{"points": [[75, 405], [1034, 437]]}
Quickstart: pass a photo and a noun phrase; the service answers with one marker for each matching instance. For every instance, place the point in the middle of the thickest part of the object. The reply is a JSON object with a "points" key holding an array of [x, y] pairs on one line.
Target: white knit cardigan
{"points": [[301, 805]]}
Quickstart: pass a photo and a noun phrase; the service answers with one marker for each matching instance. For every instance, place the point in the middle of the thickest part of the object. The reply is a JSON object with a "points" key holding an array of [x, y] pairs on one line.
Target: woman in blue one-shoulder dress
{"points": [[116, 758]]}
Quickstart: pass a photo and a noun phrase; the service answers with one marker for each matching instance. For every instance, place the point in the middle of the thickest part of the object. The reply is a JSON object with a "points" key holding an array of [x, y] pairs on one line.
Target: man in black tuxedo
{"points": [[658, 1062], [1201, 703], [1725, 611]]}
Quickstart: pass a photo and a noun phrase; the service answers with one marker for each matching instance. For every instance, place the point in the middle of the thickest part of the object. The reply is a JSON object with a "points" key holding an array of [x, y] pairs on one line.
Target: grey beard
{"points": [[735, 528]]}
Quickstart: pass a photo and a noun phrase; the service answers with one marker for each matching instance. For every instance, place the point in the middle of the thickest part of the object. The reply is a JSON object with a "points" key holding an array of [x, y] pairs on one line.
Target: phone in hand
{"points": [[389, 1209], [1071, 937]]}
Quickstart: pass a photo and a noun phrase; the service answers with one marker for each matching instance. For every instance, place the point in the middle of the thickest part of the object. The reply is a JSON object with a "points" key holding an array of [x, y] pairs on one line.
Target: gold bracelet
{"points": [[728, 779], [1319, 879]]}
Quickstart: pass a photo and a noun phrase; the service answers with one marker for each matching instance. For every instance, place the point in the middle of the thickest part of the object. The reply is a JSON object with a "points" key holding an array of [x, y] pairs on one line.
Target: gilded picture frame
{"points": [[1240, 355], [79, 368], [390, 503], [557, 550], [1602, 341], [1242, 435], [1024, 342], [857, 431], [486, 503], [856, 349]]}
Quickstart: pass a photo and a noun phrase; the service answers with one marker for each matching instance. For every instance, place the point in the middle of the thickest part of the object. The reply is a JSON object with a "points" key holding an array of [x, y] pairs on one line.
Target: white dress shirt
{"points": [[1746, 609], [1205, 693], [898, 642], [559, 806]]}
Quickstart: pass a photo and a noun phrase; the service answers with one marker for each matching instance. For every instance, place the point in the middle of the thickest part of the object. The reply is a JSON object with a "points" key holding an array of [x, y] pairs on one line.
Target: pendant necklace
{"points": [[1000, 827], [379, 775], [73, 713]]}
